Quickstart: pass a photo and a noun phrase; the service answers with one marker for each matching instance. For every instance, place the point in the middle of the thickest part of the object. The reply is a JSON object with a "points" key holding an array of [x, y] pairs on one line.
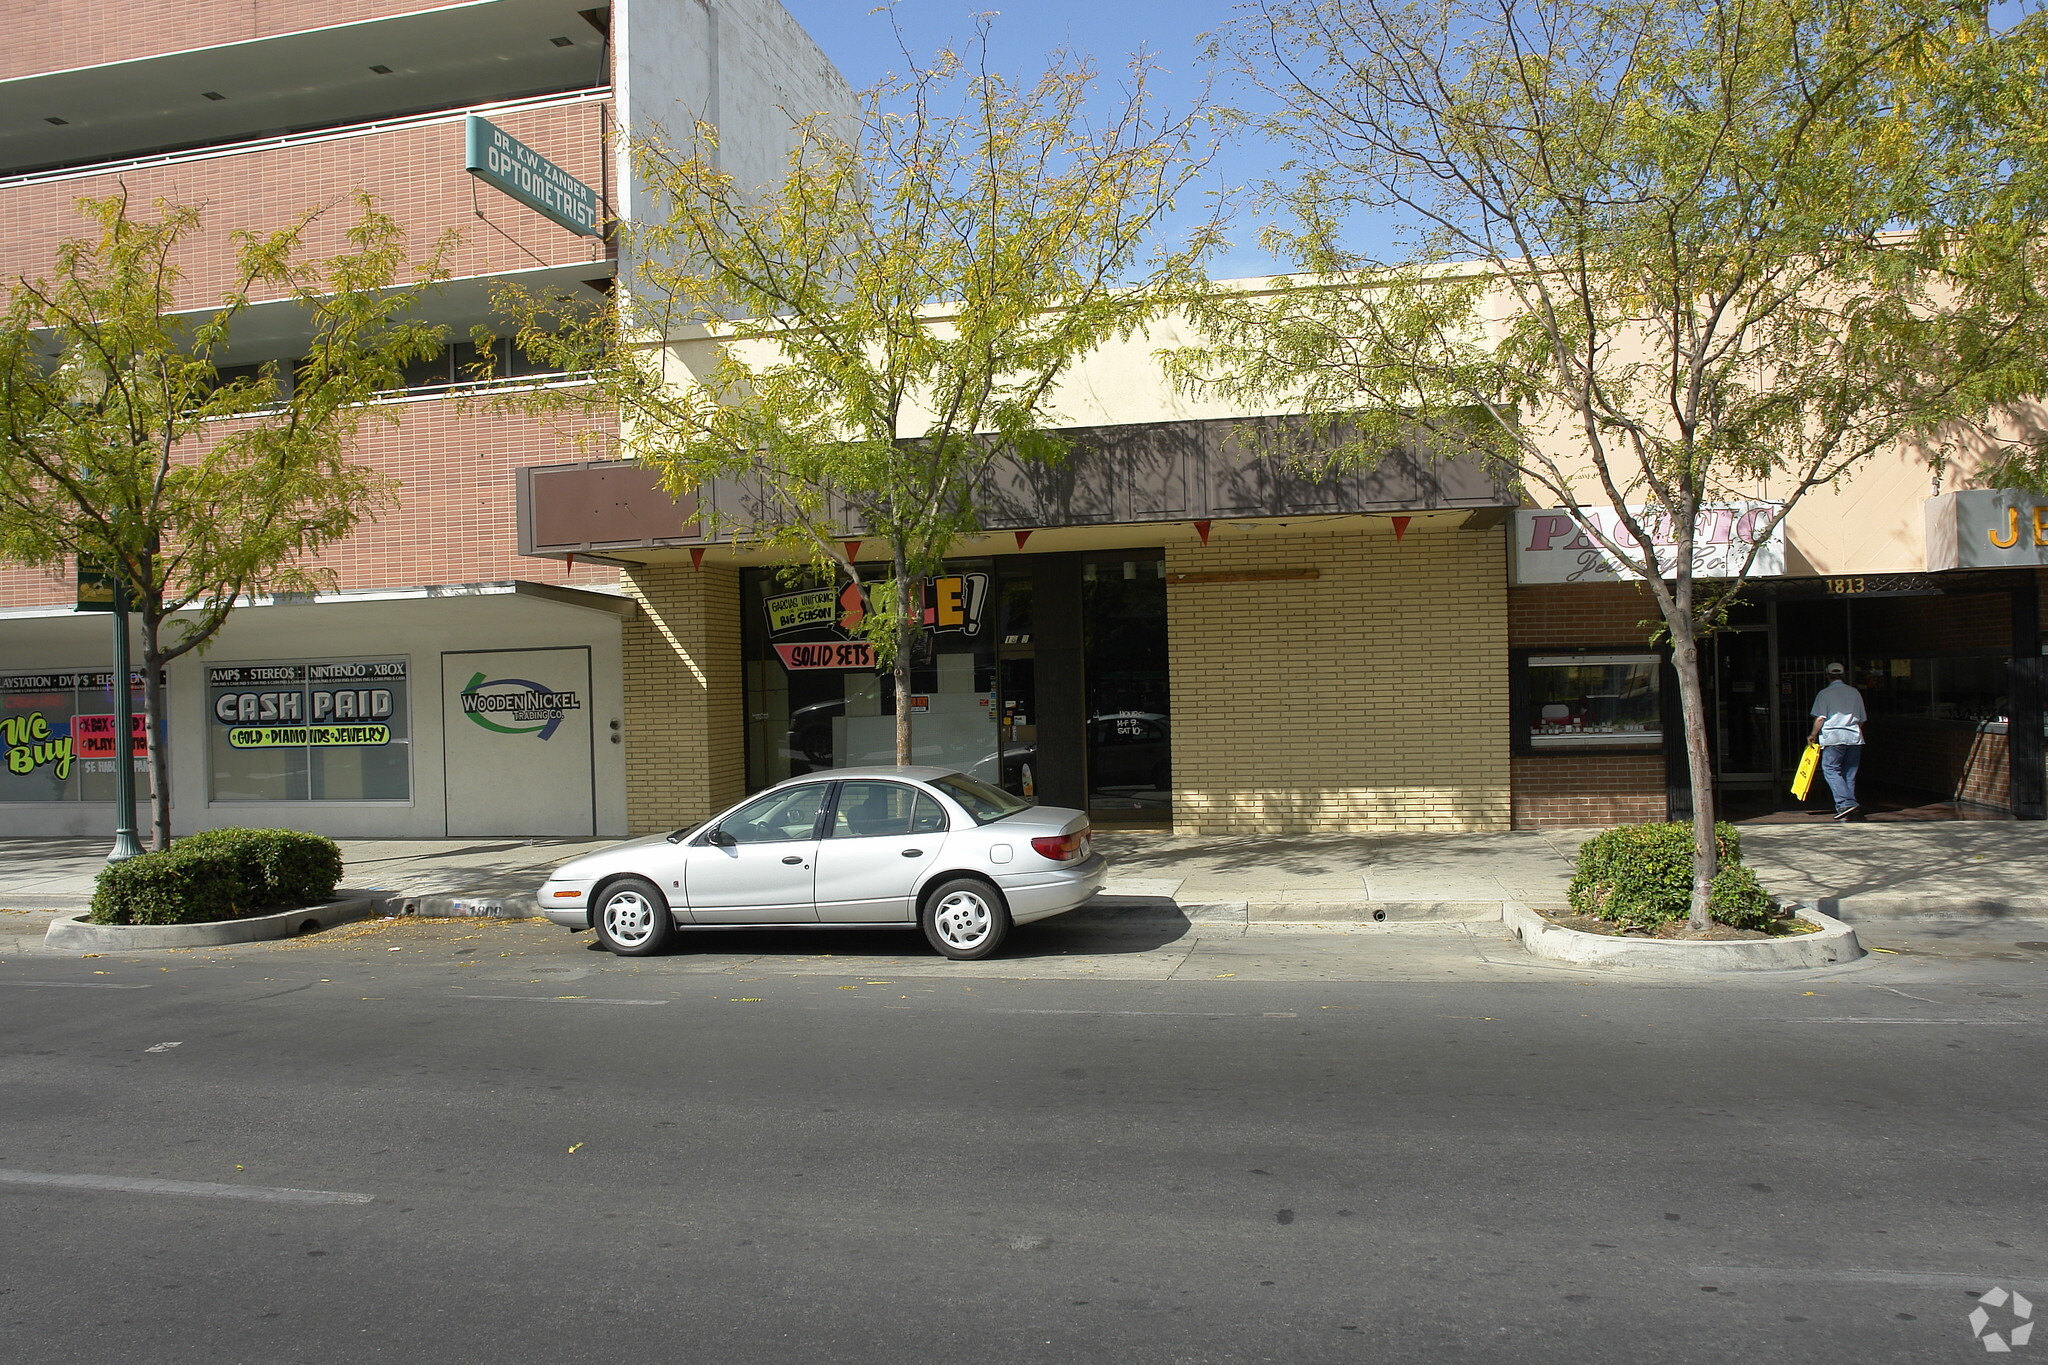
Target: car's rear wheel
{"points": [[632, 918], [964, 919]]}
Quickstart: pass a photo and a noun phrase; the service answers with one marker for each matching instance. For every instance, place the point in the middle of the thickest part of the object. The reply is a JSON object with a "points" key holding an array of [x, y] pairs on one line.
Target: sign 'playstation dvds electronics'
{"points": [[497, 158]]}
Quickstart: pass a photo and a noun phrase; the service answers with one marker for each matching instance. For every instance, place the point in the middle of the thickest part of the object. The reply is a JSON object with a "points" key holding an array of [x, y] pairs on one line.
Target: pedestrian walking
{"points": [[1838, 718]]}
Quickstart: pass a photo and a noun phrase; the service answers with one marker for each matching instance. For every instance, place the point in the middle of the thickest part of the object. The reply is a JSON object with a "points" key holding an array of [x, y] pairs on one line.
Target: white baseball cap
{"points": [[1836, 670]]}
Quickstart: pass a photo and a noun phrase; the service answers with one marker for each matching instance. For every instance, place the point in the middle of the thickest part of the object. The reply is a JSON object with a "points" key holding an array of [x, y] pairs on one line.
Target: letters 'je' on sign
{"points": [[497, 158]]}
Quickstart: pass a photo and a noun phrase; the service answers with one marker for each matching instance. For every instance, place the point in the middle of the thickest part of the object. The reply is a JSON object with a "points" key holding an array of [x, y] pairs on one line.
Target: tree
{"points": [[1991, 99], [888, 320], [1651, 255], [123, 440]]}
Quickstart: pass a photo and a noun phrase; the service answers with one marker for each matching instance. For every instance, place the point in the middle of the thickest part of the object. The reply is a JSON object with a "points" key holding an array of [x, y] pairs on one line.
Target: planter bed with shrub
{"points": [[1631, 898], [222, 874], [1637, 880]]}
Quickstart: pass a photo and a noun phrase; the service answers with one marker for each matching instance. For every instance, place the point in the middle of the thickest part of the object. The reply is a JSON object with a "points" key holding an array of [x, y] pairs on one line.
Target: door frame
{"points": [[589, 722]]}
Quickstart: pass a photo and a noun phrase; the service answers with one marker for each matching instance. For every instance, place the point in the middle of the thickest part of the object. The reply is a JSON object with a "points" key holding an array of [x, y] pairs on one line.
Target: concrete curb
{"points": [[1335, 916], [75, 933], [1871, 907], [1835, 943], [1373, 912], [465, 906]]}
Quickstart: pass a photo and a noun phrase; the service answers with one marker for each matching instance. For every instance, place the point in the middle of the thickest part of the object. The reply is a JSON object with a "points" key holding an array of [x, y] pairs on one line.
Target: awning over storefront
{"points": [[1146, 473]]}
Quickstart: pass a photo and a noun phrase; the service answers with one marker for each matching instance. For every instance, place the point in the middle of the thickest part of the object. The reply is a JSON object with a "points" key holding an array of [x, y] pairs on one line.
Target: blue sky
{"points": [[863, 45]]}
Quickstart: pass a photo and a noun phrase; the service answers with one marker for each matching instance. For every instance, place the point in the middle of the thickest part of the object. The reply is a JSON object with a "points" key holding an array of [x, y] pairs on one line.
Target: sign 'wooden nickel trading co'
{"points": [[498, 159]]}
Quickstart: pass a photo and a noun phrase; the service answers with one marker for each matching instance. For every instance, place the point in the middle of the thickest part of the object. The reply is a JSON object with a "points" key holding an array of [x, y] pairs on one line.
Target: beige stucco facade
{"points": [[1326, 674]]}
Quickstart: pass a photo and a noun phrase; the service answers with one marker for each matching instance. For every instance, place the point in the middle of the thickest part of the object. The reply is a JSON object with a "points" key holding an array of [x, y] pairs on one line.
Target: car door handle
{"points": [[913, 853], [793, 859]]}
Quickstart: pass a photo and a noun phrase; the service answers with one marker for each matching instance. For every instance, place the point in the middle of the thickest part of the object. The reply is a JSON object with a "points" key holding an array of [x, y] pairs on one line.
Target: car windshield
{"points": [[985, 803]]}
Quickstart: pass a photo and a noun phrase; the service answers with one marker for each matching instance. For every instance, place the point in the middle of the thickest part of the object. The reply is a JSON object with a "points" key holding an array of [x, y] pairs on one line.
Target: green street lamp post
{"points": [[100, 588], [125, 845]]}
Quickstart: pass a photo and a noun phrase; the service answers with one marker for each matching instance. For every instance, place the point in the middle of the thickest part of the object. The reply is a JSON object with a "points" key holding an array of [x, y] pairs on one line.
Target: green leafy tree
{"points": [[1649, 256], [1992, 98], [858, 343], [122, 440]]}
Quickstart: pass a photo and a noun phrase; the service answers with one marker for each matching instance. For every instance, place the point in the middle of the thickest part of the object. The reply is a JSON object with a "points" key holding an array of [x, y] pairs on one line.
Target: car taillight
{"points": [[1062, 848]]}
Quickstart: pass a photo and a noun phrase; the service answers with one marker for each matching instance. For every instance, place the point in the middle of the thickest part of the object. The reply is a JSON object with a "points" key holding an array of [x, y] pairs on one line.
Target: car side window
{"points": [[779, 817], [929, 817], [869, 810]]}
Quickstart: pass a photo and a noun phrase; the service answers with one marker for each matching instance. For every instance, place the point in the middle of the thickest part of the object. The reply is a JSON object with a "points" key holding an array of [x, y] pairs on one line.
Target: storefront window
{"points": [[1592, 700], [336, 730], [1940, 687], [817, 699], [57, 735]]}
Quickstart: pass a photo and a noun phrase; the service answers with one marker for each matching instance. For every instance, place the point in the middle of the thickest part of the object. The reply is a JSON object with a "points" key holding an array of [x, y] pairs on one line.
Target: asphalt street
{"points": [[448, 1141]]}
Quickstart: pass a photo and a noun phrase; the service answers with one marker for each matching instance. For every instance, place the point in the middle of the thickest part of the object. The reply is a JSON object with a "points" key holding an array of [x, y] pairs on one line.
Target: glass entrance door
{"points": [[1130, 723], [1744, 728]]}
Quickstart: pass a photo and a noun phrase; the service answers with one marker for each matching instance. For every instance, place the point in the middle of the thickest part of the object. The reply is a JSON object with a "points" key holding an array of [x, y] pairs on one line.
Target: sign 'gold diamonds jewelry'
{"points": [[498, 159]]}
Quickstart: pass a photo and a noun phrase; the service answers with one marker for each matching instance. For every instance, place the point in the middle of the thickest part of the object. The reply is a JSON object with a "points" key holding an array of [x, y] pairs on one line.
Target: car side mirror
{"points": [[720, 838]]}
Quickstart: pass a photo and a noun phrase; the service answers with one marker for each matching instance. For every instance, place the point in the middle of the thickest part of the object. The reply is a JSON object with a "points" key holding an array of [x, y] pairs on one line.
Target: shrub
{"points": [[281, 866], [1641, 875], [1739, 901], [220, 874]]}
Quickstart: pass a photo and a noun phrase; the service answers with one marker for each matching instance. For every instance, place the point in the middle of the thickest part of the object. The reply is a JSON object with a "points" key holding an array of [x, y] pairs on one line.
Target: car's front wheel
{"points": [[632, 918], [965, 919]]}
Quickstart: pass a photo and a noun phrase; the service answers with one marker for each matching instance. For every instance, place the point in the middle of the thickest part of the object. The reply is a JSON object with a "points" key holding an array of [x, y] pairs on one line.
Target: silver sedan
{"points": [[852, 848]]}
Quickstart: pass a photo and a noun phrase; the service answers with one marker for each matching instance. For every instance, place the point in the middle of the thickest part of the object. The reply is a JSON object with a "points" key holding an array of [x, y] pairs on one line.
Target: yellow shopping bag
{"points": [[1802, 781]]}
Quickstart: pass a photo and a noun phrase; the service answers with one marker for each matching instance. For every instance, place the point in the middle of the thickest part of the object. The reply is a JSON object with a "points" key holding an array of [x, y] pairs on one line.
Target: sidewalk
{"points": [[1857, 872]]}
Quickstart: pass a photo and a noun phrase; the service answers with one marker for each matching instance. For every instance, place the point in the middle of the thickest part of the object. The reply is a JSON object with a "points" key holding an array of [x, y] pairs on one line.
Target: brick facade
{"points": [[1571, 791], [685, 708], [1954, 623], [1577, 790], [415, 174], [1954, 761], [455, 520], [1581, 615], [1371, 697]]}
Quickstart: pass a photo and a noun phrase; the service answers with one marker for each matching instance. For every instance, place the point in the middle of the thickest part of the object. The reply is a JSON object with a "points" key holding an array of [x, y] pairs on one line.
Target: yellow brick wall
{"points": [[685, 738], [1373, 697]]}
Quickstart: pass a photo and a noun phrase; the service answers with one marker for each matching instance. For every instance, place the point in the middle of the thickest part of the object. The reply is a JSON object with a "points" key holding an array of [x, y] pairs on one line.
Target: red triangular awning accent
{"points": [[852, 550], [1401, 526], [1022, 536], [697, 556], [1202, 530]]}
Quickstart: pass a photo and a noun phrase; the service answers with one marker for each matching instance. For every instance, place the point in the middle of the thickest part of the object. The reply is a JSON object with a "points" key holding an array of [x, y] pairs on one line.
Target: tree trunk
{"points": [[1685, 660], [908, 624], [158, 732]]}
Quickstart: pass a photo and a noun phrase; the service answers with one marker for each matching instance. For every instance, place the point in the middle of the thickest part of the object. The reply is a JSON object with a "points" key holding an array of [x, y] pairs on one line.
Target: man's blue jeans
{"points": [[1838, 764]]}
